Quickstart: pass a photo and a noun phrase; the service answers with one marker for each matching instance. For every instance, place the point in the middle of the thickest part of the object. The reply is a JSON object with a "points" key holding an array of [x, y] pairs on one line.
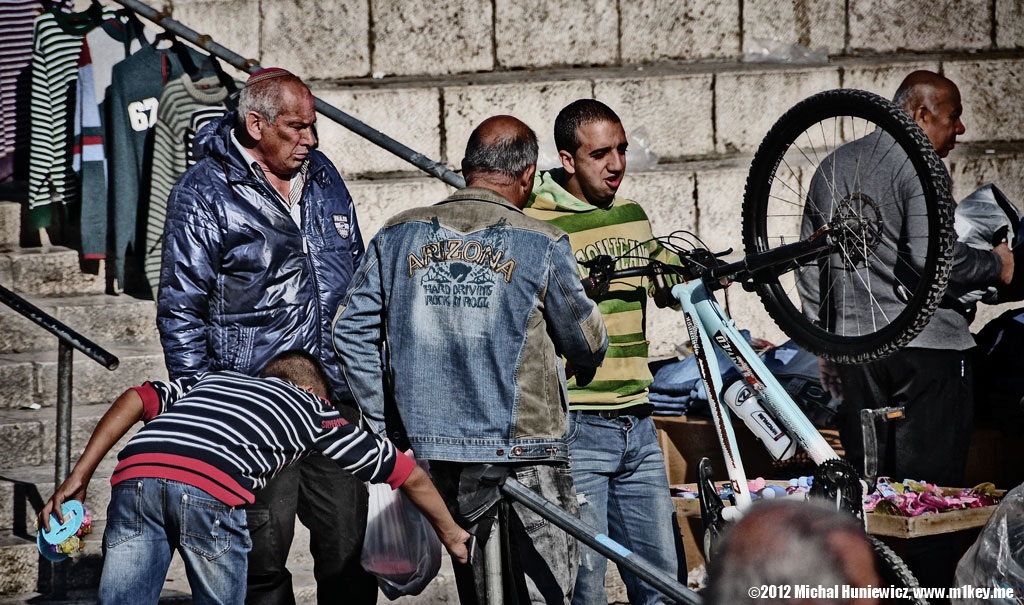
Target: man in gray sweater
{"points": [[932, 377]]}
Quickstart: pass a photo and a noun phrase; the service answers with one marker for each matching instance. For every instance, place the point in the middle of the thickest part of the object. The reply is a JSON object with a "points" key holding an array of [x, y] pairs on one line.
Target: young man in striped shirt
{"points": [[617, 464], [209, 442]]}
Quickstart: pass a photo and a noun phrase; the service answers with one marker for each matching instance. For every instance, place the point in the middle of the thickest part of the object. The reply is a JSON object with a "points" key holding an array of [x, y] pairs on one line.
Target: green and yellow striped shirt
{"points": [[621, 229]]}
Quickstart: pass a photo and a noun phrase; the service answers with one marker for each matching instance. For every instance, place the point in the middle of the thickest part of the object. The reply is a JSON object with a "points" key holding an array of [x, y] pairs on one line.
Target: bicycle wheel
{"points": [[852, 166], [894, 572]]}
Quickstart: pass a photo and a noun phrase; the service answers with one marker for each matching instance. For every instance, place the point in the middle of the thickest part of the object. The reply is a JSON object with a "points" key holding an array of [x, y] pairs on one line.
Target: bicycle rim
{"points": [[854, 163]]}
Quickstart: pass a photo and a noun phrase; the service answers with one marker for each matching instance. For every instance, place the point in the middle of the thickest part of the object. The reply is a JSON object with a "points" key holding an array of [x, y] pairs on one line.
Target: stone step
{"points": [[48, 271], [10, 224], [29, 379], [23, 571], [101, 318], [690, 109], [30, 437]]}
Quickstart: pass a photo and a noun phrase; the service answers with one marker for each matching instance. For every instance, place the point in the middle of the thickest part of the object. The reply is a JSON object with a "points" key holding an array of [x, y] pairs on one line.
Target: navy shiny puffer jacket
{"points": [[239, 281]]}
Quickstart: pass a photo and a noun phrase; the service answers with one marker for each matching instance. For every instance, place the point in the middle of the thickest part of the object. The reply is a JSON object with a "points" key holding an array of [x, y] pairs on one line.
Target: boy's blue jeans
{"points": [[149, 519]]}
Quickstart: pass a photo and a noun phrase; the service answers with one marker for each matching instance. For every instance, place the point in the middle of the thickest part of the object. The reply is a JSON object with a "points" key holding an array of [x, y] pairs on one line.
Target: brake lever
{"points": [[597, 281]]}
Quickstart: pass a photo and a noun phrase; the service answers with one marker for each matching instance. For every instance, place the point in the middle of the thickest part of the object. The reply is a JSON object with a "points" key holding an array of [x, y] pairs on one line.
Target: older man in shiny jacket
{"points": [[260, 243]]}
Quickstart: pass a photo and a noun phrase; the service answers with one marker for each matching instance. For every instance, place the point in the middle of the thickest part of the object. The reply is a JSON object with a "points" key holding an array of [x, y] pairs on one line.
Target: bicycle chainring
{"points": [[836, 481]]}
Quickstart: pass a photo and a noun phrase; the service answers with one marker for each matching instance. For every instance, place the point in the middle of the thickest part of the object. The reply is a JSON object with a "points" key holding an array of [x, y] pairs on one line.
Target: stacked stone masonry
{"points": [[337, 39]]}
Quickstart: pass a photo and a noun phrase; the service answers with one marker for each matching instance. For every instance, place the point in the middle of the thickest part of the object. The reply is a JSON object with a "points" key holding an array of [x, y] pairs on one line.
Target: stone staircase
{"points": [[50, 278]]}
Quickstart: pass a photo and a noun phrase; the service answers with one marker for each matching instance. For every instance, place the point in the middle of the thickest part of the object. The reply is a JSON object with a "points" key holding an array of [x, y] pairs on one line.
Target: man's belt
{"points": [[642, 410]]}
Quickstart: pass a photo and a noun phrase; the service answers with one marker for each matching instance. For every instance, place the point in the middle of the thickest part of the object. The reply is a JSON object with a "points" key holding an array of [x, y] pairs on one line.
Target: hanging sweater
{"points": [[623, 379], [87, 156], [182, 102], [57, 43], [102, 48], [18, 17], [132, 103]]}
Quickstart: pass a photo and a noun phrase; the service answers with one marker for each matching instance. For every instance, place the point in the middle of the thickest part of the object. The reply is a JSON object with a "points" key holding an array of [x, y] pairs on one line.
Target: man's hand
{"points": [[583, 375], [830, 377], [1006, 255], [596, 282], [420, 489]]}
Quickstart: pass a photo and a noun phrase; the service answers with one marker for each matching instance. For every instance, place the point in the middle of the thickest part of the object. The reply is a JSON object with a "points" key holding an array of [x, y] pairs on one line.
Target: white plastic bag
{"points": [[996, 559], [401, 548]]}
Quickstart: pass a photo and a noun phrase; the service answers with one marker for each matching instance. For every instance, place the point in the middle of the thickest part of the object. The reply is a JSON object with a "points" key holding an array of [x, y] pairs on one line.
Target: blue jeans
{"points": [[149, 519], [623, 491]]}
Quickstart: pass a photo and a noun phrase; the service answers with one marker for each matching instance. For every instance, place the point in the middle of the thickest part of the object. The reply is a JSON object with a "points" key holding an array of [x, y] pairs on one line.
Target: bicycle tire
{"points": [[894, 572], [793, 162]]}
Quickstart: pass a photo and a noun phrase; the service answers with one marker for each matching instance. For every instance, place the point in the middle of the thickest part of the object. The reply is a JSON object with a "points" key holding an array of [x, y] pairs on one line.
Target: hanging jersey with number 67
{"points": [[132, 102]]}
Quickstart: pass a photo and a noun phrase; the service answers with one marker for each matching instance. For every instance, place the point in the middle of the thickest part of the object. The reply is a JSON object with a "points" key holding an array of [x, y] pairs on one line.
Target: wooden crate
{"points": [[688, 511], [928, 524], [931, 524]]}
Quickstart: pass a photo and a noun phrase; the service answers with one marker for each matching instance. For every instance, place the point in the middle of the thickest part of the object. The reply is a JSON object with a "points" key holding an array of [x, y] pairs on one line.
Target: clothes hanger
{"points": [[95, 13], [134, 25], [77, 24], [231, 101], [180, 51]]}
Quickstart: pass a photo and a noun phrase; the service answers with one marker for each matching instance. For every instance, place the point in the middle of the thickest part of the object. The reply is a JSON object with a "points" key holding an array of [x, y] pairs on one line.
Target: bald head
{"points": [[934, 102], [786, 542], [501, 155]]}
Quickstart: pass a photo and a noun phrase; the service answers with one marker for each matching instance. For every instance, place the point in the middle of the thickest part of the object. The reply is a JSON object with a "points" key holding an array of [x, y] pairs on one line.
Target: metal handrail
{"points": [[68, 340], [206, 43]]}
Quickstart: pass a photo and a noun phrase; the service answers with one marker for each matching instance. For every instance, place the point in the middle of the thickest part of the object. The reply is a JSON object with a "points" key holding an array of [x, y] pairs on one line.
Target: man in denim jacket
{"points": [[473, 303]]}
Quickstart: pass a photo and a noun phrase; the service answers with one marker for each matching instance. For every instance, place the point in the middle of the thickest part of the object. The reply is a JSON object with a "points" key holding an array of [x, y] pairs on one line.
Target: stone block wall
{"points": [[329, 39]]}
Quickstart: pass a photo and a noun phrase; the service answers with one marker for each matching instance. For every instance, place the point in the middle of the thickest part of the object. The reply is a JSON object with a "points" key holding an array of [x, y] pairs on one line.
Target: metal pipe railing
{"points": [[604, 545], [206, 43], [62, 332]]}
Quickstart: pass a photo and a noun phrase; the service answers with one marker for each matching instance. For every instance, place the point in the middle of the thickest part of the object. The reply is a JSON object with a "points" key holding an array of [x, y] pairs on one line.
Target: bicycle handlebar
{"points": [[700, 263]]}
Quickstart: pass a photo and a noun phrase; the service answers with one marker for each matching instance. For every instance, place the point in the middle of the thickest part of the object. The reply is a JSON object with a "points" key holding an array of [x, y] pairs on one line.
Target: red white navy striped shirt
{"points": [[229, 434]]}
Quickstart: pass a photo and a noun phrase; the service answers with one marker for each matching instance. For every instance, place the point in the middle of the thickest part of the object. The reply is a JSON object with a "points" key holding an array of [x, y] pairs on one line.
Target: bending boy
{"points": [[209, 442]]}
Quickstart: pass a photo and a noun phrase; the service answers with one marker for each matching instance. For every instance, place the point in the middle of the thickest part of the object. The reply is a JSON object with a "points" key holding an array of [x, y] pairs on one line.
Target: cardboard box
{"points": [[684, 441]]}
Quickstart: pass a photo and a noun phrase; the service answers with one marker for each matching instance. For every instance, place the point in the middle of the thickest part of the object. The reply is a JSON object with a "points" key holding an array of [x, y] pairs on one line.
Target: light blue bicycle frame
{"points": [[708, 326]]}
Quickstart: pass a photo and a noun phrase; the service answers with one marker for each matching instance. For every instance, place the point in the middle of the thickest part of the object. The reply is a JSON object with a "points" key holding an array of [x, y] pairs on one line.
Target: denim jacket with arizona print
{"points": [[475, 302]]}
